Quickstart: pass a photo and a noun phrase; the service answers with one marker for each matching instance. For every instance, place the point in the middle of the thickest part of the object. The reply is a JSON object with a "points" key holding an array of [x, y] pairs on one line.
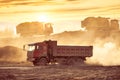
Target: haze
{"points": [[64, 14]]}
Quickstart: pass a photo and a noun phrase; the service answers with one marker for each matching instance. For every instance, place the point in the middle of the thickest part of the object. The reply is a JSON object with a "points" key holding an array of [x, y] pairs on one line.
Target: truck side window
{"points": [[38, 47]]}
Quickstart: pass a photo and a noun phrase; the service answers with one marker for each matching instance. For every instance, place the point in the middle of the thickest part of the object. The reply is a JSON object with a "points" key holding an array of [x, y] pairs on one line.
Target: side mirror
{"points": [[24, 48]]}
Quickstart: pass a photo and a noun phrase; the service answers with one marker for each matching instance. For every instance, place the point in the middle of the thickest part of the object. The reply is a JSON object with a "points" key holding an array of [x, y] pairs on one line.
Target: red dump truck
{"points": [[48, 52]]}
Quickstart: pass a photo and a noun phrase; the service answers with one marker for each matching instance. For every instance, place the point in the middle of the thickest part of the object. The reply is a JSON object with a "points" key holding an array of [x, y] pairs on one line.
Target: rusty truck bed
{"points": [[85, 51]]}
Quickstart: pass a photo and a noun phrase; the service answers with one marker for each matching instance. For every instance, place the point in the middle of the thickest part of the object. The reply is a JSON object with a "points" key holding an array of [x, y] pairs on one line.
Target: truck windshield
{"points": [[29, 47]]}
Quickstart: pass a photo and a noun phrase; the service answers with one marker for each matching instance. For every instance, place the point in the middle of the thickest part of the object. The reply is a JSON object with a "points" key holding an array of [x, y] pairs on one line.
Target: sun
{"points": [[44, 18]]}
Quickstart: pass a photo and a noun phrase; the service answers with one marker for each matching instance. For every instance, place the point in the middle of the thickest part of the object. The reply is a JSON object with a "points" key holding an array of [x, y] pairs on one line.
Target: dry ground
{"points": [[58, 72]]}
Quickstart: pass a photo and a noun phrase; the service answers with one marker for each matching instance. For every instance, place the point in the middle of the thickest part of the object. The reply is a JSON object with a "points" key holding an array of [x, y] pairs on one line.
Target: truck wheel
{"points": [[80, 61], [70, 61], [61, 61], [40, 62]]}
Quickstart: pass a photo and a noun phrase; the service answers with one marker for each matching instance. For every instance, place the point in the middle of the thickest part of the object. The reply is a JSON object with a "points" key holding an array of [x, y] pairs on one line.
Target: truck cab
{"points": [[36, 51]]}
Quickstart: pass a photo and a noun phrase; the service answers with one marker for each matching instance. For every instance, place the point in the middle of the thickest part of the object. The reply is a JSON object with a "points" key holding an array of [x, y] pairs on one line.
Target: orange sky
{"points": [[64, 14]]}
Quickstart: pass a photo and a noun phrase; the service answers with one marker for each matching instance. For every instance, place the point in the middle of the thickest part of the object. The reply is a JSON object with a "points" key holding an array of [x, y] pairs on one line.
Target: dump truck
{"points": [[48, 52]]}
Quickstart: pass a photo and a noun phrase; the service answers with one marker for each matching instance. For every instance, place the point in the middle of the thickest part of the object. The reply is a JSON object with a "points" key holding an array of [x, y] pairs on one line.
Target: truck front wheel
{"points": [[40, 62]]}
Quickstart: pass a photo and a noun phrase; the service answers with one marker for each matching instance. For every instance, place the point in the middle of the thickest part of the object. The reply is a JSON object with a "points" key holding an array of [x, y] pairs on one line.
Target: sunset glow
{"points": [[44, 18], [59, 12], [69, 22]]}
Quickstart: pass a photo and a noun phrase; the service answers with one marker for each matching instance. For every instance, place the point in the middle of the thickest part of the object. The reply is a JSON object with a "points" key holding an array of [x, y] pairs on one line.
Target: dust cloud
{"points": [[7, 33], [12, 54], [103, 34], [106, 55], [106, 41], [106, 50]]}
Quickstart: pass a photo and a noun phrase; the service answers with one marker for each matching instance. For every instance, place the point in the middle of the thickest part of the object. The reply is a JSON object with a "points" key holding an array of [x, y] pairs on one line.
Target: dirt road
{"points": [[60, 73]]}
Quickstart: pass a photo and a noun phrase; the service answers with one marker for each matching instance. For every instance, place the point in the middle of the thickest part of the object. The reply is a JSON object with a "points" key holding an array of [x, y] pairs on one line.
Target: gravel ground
{"points": [[60, 73]]}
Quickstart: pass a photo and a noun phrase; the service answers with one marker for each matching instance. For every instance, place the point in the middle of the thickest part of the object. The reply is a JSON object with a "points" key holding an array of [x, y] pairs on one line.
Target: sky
{"points": [[64, 14]]}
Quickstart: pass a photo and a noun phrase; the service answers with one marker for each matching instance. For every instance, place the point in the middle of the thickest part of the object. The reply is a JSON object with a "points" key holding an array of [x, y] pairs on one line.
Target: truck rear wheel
{"points": [[70, 61], [80, 61], [61, 61], [75, 61], [40, 62]]}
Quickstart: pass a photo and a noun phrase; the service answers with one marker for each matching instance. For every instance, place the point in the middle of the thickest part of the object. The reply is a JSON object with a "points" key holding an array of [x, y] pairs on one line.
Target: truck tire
{"points": [[40, 62], [70, 61], [80, 61], [75, 61], [61, 61]]}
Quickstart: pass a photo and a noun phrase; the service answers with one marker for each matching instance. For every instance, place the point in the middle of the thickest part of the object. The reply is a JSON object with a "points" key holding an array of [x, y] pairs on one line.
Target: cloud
{"points": [[68, 3], [66, 8], [56, 10], [61, 9], [6, 3], [52, 2]]}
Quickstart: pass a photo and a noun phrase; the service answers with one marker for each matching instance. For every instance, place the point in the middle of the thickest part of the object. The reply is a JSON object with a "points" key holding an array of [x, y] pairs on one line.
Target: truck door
{"points": [[37, 51], [40, 50]]}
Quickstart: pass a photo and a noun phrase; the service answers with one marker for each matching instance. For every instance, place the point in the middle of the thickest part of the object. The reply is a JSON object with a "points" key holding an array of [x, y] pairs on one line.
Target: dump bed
{"points": [[84, 51]]}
